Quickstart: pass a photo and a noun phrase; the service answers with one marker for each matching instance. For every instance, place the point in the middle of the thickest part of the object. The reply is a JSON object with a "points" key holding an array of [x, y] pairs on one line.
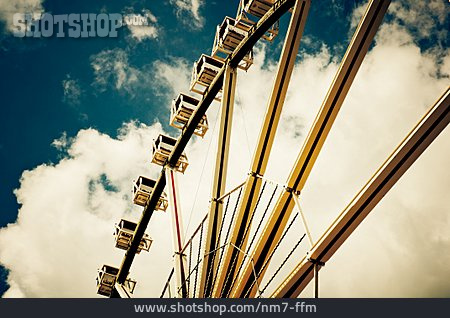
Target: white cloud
{"points": [[148, 29], [9, 8], [63, 231], [141, 32], [71, 90], [172, 77], [423, 17], [67, 215], [62, 142], [112, 68], [446, 66], [191, 8]]}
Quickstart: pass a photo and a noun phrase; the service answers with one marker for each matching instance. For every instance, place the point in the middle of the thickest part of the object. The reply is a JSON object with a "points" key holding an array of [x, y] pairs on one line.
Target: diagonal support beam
{"points": [[263, 25], [334, 99], [210, 261], [417, 141], [305, 223], [233, 258]]}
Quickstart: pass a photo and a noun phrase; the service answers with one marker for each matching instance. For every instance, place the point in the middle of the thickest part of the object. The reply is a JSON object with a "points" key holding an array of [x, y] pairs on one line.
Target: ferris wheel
{"points": [[230, 251]]}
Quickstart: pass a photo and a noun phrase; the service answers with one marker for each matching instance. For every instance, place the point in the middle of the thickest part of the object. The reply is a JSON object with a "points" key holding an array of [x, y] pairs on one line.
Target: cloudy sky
{"points": [[79, 116]]}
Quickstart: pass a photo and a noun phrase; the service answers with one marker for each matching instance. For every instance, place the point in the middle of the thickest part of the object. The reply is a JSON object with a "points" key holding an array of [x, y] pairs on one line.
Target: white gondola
{"points": [[181, 111], [106, 279], [162, 148], [250, 11], [142, 190], [228, 36], [203, 74], [124, 233]]}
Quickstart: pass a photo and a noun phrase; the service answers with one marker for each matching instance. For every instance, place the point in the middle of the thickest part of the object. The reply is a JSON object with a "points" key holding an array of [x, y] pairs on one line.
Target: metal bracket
{"points": [[317, 266], [254, 174], [216, 200], [180, 253], [316, 262], [292, 190]]}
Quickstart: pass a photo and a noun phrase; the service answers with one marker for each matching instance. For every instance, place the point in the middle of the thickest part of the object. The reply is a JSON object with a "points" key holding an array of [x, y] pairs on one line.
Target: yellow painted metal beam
{"points": [[423, 134], [210, 261], [233, 257], [311, 148]]}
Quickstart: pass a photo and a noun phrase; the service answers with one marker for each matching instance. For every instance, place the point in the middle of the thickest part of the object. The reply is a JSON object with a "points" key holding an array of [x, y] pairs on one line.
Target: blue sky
{"points": [[50, 87]]}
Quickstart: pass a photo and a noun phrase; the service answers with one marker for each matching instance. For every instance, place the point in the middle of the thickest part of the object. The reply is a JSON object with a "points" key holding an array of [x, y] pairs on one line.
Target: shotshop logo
{"points": [[74, 25]]}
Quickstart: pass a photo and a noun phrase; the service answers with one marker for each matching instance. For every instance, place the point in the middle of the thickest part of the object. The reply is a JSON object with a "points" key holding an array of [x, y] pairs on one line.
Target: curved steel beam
{"points": [[275, 13]]}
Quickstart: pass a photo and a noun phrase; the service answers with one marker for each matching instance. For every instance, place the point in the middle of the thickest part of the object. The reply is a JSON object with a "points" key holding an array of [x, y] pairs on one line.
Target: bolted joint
{"points": [[255, 175], [316, 262], [216, 200], [292, 190], [180, 254]]}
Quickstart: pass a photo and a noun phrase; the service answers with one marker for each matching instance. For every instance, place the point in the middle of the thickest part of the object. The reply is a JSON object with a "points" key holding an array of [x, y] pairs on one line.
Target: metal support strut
{"points": [[251, 189], [218, 188], [180, 262], [317, 266], [314, 141], [305, 224], [316, 278]]}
